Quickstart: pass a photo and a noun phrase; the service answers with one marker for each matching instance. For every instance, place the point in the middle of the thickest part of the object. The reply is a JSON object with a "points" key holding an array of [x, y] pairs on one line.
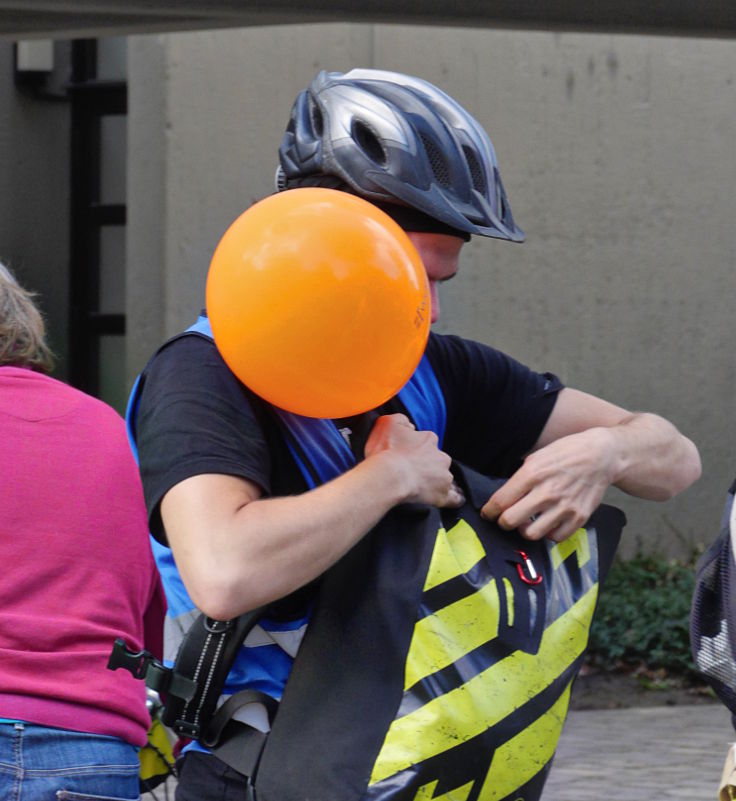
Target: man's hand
{"points": [[425, 468], [557, 488], [587, 445], [259, 549]]}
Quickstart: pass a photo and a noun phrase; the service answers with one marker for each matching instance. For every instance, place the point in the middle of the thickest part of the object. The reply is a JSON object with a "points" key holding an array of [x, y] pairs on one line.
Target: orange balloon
{"points": [[319, 302]]}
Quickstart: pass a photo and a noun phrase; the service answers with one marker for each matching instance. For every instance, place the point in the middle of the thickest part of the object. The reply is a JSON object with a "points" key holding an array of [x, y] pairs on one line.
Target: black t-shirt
{"points": [[195, 417]]}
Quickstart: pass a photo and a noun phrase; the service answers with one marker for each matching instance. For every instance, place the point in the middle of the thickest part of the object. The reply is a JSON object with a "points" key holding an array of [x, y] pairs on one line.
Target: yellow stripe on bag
{"points": [[426, 792], [508, 587], [523, 756], [468, 710], [455, 552], [448, 634], [578, 542]]}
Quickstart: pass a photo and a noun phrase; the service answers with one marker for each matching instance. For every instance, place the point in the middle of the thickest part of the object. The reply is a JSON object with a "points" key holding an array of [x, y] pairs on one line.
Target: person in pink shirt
{"points": [[77, 573]]}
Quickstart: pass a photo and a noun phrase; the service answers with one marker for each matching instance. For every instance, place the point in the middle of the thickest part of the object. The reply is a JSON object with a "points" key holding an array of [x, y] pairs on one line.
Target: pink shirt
{"points": [[77, 568]]}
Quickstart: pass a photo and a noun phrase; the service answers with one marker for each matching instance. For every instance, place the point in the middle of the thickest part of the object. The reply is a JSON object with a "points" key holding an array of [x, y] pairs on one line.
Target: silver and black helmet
{"points": [[395, 139]]}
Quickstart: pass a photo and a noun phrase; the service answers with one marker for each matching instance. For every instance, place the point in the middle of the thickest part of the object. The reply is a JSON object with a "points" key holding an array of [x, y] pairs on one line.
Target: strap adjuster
{"points": [[186, 728]]}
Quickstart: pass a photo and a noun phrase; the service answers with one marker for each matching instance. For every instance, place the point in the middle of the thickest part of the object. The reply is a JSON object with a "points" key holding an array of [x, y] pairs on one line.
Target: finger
{"points": [[457, 494], [540, 525], [455, 497], [564, 531], [490, 510], [524, 512], [506, 496], [554, 524], [560, 534]]}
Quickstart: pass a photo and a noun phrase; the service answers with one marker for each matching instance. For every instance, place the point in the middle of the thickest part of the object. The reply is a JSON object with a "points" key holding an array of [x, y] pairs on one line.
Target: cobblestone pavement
{"points": [[667, 753], [642, 754]]}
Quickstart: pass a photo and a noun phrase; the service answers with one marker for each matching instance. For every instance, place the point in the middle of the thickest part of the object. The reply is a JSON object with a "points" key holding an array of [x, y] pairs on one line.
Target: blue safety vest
{"points": [[264, 662]]}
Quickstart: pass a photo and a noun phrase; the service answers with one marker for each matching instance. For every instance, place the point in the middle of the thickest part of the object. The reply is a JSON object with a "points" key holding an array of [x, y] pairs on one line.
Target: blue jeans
{"points": [[42, 764]]}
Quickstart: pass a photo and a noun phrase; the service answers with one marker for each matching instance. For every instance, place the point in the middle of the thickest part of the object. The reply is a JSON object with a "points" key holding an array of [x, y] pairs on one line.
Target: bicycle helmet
{"points": [[397, 140]]}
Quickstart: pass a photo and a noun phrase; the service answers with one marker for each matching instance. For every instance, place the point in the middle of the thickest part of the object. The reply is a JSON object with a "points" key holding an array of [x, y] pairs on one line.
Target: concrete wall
{"points": [[34, 201], [618, 156]]}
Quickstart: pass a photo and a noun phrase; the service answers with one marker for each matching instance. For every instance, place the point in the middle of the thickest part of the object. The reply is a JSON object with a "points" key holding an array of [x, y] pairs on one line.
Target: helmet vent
{"points": [[476, 173], [280, 179], [436, 161], [315, 115], [368, 142]]}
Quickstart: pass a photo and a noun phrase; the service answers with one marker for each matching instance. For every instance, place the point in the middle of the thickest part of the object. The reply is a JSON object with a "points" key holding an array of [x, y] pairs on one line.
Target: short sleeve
{"points": [[496, 406], [194, 418]]}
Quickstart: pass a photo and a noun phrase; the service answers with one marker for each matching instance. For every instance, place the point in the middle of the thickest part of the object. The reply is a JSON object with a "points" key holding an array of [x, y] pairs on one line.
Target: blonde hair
{"points": [[22, 330]]}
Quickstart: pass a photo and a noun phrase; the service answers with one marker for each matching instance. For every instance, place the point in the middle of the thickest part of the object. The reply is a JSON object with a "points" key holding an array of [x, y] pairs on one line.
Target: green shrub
{"points": [[643, 617]]}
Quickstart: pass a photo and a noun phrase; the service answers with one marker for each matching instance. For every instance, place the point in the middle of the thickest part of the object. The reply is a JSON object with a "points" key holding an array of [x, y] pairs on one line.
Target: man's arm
{"points": [[586, 446], [236, 551]]}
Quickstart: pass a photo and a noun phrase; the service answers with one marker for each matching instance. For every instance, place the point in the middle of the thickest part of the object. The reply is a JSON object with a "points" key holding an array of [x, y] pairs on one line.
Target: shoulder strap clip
{"points": [[144, 665]]}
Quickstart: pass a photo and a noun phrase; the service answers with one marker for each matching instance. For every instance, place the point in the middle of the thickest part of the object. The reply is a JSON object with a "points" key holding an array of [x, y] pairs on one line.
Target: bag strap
{"points": [[190, 689], [205, 656]]}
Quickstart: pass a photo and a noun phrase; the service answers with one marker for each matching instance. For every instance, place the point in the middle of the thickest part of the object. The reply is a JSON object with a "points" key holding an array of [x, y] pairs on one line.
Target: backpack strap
{"points": [[190, 690], [205, 657]]}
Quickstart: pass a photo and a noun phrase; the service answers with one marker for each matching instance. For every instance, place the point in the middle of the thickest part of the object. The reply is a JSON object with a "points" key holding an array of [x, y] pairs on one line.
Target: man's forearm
{"points": [[237, 551], [655, 461], [237, 555], [588, 445]]}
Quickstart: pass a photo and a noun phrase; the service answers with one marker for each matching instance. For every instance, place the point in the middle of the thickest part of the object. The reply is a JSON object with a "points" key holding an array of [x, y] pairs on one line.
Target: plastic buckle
{"points": [[135, 662], [158, 677]]}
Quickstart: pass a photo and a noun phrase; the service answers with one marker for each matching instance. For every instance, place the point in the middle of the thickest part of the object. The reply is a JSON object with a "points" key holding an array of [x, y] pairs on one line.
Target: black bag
{"points": [[438, 660], [437, 663]]}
